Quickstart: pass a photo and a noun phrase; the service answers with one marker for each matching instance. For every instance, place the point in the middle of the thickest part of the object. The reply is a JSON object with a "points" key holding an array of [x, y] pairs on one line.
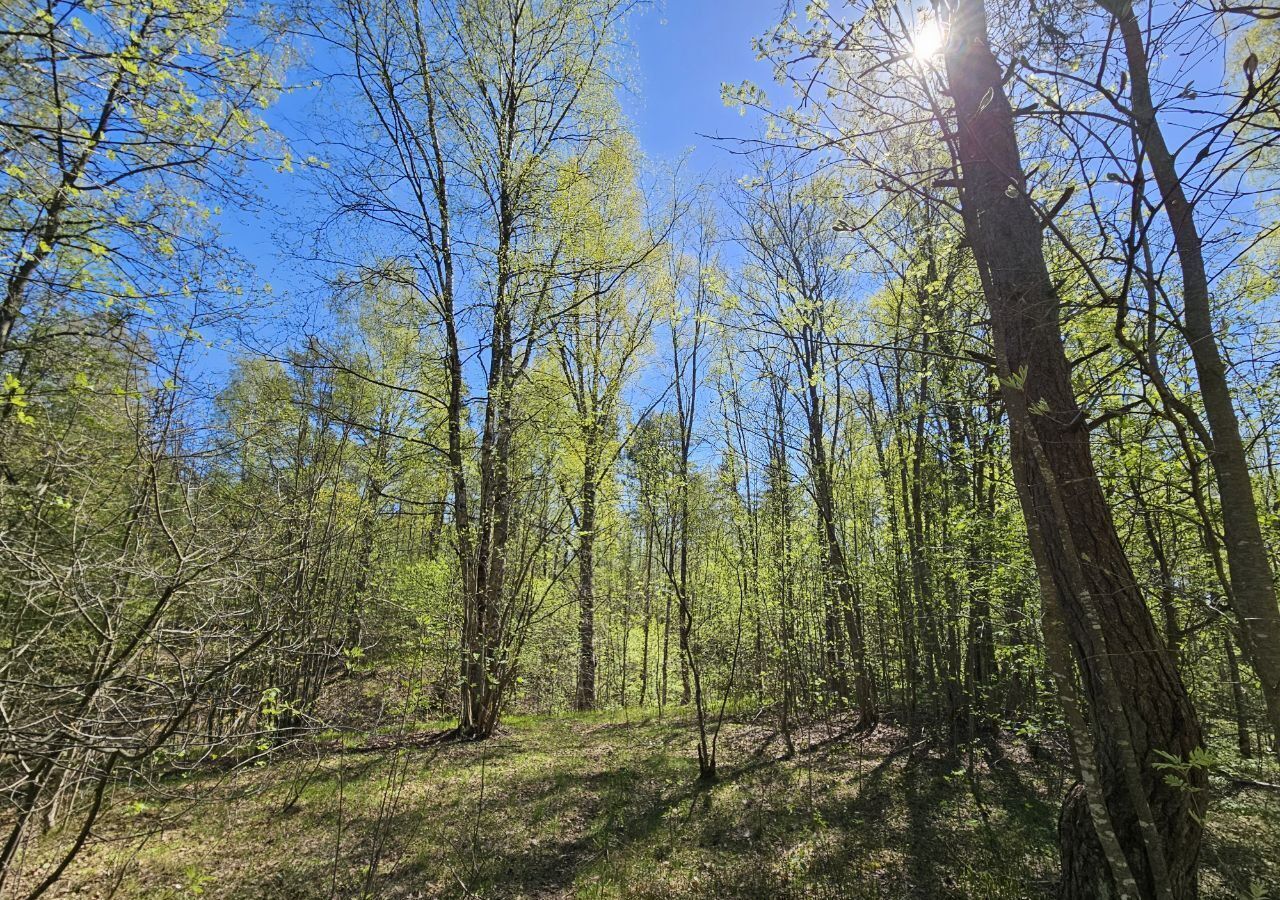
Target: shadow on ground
{"points": [[566, 808]]}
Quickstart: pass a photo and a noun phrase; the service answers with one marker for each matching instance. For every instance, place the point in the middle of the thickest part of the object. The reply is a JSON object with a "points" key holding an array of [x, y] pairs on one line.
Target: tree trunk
{"points": [[838, 580], [483, 667], [586, 694], [1239, 708], [1253, 587], [1138, 707], [648, 610]]}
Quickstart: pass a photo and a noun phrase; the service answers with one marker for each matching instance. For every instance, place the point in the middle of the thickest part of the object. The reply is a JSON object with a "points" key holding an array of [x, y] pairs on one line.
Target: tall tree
{"points": [[1253, 589], [485, 107], [598, 339], [798, 280], [1139, 709]]}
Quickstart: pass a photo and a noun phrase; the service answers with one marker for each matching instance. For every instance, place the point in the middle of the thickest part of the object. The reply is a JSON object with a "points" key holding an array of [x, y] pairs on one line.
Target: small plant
{"points": [[1178, 772], [1254, 891], [194, 881]]}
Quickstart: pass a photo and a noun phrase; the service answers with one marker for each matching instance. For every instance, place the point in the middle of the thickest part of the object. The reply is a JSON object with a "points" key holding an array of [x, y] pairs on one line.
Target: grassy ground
{"points": [[603, 807]]}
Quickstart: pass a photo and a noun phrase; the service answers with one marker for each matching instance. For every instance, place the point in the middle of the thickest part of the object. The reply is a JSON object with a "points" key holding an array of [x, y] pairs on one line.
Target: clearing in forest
{"points": [[610, 806]]}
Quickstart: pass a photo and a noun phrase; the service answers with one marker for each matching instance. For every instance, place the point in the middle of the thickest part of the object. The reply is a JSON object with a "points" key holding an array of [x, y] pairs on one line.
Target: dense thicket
{"points": [[953, 406]]}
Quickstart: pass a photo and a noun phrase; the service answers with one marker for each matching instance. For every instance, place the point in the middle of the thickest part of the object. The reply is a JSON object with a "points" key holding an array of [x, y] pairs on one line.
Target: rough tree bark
{"points": [[1138, 706]]}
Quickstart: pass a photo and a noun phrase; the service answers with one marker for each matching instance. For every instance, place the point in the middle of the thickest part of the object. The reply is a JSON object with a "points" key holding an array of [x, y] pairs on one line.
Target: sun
{"points": [[928, 41]]}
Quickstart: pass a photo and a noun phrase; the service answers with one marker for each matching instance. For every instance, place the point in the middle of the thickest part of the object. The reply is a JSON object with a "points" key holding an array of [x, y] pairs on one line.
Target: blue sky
{"points": [[683, 51]]}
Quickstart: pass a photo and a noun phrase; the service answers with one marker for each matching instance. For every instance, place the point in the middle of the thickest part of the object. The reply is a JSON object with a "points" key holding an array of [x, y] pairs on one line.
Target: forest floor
{"points": [[609, 806]]}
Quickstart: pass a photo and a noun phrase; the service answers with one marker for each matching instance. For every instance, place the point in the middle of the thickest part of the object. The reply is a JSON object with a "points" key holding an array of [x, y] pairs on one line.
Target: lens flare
{"points": [[927, 42]]}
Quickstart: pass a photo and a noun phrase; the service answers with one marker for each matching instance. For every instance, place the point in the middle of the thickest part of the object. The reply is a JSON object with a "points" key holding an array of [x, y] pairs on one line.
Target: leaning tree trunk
{"points": [[1138, 708], [1252, 587]]}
